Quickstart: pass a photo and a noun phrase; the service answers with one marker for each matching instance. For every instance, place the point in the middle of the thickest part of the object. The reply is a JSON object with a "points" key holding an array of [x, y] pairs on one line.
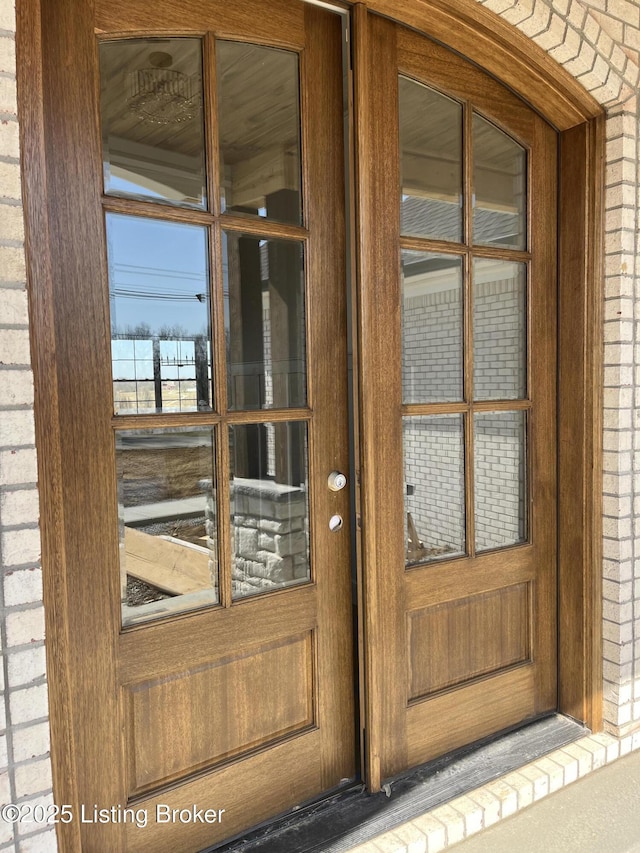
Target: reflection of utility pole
{"points": [[202, 373], [157, 379]]}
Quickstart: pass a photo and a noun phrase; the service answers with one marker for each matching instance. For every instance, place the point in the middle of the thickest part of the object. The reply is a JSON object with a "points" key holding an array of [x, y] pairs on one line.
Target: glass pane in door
{"points": [[152, 120], [499, 330], [500, 478], [432, 327], [167, 521], [160, 320], [259, 126], [434, 487], [264, 322], [431, 163], [499, 187], [269, 507]]}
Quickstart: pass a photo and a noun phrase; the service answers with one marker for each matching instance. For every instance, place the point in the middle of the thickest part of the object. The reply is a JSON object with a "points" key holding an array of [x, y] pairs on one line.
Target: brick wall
{"points": [[25, 773], [598, 41]]}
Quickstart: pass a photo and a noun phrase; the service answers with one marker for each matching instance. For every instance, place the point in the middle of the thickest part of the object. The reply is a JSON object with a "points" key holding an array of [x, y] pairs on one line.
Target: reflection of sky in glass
{"points": [[158, 278]]}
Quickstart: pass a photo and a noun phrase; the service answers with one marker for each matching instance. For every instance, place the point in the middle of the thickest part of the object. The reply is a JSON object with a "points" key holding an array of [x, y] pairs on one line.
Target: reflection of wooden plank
{"points": [[170, 566]]}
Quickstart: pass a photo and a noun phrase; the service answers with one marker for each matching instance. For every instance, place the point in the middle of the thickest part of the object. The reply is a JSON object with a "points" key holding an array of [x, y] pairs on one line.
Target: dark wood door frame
{"points": [[503, 51]]}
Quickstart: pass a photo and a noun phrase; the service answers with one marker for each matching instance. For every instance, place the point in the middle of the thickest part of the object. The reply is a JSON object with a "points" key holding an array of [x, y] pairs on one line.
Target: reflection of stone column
{"points": [[270, 536], [211, 528]]}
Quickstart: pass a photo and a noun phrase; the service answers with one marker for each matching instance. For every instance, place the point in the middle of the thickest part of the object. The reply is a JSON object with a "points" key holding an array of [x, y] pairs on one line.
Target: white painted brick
{"points": [[26, 666], [538, 779], [591, 29], [5, 788], [604, 42], [41, 843], [522, 786], [536, 23], [28, 704], [16, 427], [12, 263], [498, 6], [577, 15], [517, 13], [553, 772], [6, 833], [9, 147], [569, 49], [414, 841], [31, 742], [14, 347], [22, 507], [14, 309], [17, 466], [10, 186], [20, 547], [26, 626], [453, 821], [8, 102], [22, 586], [33, 778], [489, 804], [471, 812], [434, 831], [8, 55], [553, 35], [7, 16], [624, 11]]}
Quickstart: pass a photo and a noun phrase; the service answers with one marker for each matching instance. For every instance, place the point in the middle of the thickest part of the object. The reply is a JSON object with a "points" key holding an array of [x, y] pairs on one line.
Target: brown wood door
{"points": [[457, 205], [197, 302]]}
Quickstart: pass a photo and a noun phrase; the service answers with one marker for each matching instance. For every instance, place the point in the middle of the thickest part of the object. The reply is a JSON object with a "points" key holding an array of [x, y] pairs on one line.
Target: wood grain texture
{"points": [[580, 418], [211, 713], [499, 48], [434, 729], [435, 667], [41, 298], [378, 182], [275, 22], [323, 132], [461, 640], [234, 788], [83, 539]]}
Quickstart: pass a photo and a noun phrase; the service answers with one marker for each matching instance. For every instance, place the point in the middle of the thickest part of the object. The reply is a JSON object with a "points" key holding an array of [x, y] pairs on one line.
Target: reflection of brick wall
{"points": [[434, 447]]}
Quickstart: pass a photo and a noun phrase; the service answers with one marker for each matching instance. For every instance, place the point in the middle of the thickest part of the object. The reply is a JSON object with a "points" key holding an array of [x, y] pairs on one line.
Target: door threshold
{"points": [[340, 822]]}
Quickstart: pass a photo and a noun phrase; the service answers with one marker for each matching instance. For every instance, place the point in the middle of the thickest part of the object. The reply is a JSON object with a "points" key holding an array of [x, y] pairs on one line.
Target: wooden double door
{"points": [[210, 502]]}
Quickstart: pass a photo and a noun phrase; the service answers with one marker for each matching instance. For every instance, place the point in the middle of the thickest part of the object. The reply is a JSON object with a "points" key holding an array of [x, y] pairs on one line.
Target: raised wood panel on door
{"points": [[249, 705], [465, 678]]}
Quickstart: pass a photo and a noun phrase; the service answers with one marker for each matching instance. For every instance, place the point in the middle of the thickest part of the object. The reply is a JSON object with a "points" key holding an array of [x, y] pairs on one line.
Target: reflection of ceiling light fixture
{"points": [[160, 95]]}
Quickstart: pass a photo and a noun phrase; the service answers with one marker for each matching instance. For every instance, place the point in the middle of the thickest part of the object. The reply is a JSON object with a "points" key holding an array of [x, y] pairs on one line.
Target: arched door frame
{"points": [[496, 46]]}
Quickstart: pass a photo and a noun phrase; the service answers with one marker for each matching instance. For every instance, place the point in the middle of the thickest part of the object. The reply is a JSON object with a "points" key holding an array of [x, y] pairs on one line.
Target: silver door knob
{"points": [[337, 481]]}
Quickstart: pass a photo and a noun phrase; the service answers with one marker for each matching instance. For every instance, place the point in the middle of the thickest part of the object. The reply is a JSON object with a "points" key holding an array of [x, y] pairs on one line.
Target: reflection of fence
{"points": [[153, 374]]}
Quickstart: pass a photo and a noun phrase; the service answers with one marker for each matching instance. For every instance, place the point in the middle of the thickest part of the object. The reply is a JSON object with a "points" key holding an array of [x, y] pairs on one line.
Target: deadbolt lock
{"points": [[337, 481]]}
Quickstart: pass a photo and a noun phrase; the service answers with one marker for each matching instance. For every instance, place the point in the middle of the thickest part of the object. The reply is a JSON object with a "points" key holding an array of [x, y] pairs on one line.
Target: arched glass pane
{"points": [[259, 131], [431, 163], [152, 120], [499, 188]]}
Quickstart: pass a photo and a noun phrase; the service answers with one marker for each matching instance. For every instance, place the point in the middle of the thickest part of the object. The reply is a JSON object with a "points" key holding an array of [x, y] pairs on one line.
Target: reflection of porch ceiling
{"points": [[251, 91]]}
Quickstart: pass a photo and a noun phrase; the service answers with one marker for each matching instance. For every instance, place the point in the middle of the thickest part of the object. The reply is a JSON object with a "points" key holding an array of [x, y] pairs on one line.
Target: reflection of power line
{"points": [[158, 297]]}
